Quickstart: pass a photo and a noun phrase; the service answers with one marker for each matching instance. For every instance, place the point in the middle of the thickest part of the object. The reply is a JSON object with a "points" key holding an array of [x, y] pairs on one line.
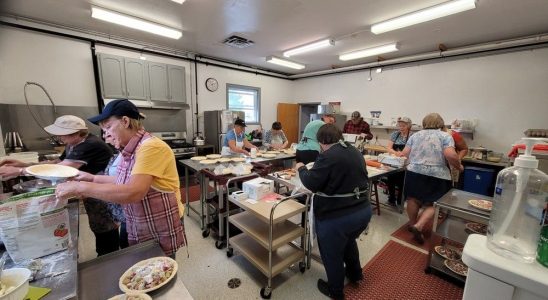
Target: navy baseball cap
{"points": [[240, 122], [120, 108]]}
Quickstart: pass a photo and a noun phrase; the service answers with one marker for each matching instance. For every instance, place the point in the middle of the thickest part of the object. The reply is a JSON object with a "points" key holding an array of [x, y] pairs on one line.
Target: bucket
{"points": [[335, 107]]}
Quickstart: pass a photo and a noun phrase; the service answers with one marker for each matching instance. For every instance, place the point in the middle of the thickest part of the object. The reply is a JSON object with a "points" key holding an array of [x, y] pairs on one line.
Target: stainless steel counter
{"points": [[62, 286], [98, 278]]}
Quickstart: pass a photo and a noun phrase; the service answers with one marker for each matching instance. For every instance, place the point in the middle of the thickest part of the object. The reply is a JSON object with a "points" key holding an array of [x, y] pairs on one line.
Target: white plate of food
{"points": [[208, 161], [273, 152], [52, 172], [224, 160], [485, 205], [198, 158], [139, 296], [214, 156], [269, 155], [148, 275], [476, 228], [237, 159], [456, 266], [449, 253]]}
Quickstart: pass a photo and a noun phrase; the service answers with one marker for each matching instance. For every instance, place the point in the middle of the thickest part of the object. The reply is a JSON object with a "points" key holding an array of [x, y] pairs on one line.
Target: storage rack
{"points": [[451, 229], [267, 235]]}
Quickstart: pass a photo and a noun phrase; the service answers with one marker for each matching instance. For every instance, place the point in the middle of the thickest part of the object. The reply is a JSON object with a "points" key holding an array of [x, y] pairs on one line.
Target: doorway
{"points": [[305, 110]]}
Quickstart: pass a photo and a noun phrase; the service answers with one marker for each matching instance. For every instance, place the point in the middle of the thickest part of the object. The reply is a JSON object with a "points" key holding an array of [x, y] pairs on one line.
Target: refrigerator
{"points": [[217, 123], [339, 119]]}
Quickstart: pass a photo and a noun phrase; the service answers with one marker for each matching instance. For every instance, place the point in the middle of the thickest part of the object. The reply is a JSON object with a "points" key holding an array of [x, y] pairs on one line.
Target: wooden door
{"points": [[288, 115]]}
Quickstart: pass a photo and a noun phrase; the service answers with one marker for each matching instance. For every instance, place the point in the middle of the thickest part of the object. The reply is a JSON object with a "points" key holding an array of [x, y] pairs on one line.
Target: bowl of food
{"points": [[14, 284]]}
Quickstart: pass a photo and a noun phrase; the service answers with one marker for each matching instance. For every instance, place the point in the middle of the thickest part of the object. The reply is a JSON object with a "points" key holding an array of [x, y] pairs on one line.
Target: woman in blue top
{"points": [[428, 177], [397, 142], [235, 141]]}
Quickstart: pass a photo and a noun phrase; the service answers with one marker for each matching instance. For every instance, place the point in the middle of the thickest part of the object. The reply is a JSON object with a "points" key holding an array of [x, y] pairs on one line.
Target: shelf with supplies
{"points": [[388, 129]]}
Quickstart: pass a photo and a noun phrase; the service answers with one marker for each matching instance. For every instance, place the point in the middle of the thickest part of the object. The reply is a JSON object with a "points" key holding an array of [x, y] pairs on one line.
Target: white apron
{"points": [[226, 150], [277, 141]]}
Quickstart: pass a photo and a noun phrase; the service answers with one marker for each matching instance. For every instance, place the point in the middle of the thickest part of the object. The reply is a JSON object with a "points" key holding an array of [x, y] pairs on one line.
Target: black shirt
{"points": [[339, 170], [92, 152]]}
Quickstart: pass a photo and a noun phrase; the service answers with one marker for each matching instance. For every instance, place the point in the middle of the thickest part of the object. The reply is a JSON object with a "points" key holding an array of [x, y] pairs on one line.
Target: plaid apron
{"points": [[156, 217]]}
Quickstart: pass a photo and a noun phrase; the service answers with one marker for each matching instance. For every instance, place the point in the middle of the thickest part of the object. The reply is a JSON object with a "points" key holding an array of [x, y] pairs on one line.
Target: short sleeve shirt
{"points": [[92, 152], [398, 138], [155, 158], [231, 136], [426, 156]]}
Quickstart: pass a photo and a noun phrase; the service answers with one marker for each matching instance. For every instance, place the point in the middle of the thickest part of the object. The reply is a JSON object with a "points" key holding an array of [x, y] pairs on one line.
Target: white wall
{"points": [[63, 66], [273, 90], [507, 93]]}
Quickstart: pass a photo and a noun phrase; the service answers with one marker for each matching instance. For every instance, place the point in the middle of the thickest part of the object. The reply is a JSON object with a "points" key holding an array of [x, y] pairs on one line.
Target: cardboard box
{"points": [[258, 188]]}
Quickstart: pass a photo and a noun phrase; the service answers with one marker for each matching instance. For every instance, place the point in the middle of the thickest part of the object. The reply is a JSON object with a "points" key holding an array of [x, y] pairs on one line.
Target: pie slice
{"points": [[476, 228]]}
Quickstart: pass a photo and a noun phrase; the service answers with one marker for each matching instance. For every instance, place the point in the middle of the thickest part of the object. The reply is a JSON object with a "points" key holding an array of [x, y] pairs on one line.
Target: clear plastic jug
{"points": [[520, 196]]}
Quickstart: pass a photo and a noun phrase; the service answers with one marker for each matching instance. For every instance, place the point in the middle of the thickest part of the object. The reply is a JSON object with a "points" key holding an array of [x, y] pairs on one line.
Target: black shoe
{"points": [[417, 235], [323, 287]]}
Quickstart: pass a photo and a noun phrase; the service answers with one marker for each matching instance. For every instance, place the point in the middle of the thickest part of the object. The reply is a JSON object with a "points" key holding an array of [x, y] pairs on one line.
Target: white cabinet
{"points": [[136, 82], [112, 77], [157, 78], [148, 84], [177, 83]]}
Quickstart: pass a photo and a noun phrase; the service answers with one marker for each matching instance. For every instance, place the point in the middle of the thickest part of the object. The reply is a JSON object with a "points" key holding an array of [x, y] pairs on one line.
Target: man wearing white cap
{"points": [[88, 153]]}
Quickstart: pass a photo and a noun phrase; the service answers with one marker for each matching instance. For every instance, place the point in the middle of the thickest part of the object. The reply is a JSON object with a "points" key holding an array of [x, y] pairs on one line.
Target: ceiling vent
{"points": [[238, 42]]}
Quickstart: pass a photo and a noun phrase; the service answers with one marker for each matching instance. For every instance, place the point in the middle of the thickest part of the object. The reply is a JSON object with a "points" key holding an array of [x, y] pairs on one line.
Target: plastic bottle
{"points": [[518, 203]]}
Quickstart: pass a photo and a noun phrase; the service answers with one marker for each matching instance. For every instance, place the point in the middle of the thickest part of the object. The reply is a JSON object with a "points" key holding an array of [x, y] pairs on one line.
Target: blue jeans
{"points": [[338, 247]]}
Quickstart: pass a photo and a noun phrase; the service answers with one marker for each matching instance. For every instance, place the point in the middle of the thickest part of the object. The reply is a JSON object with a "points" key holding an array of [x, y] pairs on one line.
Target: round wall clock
{"points": [[211, 84]]}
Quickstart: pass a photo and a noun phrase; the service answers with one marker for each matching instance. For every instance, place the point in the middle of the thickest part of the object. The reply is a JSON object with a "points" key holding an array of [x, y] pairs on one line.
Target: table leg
{"points": [[187, 193]]}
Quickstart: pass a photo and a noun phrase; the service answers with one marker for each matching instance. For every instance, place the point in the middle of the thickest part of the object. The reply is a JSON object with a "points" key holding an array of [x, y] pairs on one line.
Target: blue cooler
{"points": [[478, 180]]}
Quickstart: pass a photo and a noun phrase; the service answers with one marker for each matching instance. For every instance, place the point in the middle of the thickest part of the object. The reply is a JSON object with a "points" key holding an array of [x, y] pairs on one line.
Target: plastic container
{"points": [[518, 203], [478, 180], [18, 278]]}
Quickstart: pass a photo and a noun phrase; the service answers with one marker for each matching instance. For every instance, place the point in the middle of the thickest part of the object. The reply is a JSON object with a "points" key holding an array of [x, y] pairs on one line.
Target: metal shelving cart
{"points": [[451, 229], [267, 234]]}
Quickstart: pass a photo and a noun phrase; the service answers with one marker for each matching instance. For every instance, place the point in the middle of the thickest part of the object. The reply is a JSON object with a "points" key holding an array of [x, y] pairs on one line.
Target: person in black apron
{"points": [[397, 142], [339, 209]]}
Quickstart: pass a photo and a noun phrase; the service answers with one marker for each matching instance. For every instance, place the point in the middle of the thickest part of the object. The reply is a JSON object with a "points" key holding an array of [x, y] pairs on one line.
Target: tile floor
{"points": [[207, 270]]}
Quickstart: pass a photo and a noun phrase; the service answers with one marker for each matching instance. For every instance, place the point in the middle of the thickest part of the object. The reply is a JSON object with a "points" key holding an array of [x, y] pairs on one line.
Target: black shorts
{"points": [[426, 189]]}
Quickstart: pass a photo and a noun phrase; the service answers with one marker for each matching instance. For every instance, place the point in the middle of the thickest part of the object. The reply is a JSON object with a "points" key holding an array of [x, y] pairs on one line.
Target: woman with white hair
{"points": [[428, 178]]}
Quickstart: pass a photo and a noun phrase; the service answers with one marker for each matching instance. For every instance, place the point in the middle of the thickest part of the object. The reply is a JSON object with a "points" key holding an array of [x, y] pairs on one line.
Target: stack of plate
{"points": [[26, 157]]}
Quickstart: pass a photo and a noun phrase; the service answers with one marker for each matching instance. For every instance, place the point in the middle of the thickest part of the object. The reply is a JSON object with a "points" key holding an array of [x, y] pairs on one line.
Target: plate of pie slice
{"points": [[214, 156], [476, 228], [198, 158], [485, 205], [273, 152], [457, 267], [148, 275], [269, 155], [208, 161], [448, 252], [224, 160], [237, 159]]}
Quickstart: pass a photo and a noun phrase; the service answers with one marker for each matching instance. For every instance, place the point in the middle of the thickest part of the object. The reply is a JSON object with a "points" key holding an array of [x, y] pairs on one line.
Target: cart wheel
{"points": [[266, 293], [427, 270], [302, 267], [229, 252], [219, 244], [205, 233]]}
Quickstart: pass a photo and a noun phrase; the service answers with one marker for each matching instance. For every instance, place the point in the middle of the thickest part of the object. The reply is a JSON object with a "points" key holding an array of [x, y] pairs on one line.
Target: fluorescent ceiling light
{"points": [[133, 22], [370, 52], [424, 15], [178, 1], [309, 47], [283, 62]]}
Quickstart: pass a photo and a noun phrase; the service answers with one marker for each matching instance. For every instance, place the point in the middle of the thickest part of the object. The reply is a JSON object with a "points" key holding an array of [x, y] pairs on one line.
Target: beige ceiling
{"points": [[278, 25]]}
